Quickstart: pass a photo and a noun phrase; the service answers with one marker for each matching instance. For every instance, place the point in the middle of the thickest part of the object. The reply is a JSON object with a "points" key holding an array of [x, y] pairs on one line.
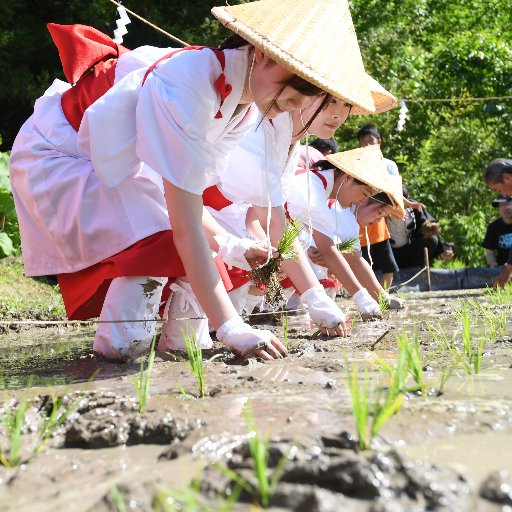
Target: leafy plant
{"points": [[142, 384], [7, 211]]}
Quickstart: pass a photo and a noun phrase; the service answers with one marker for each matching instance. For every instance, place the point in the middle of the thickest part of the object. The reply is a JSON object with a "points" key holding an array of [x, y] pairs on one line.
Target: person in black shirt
{"points": [[498, 177], [498, 238]]}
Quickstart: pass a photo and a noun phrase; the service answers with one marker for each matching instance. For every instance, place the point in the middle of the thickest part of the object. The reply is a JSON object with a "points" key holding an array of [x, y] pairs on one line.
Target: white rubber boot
{"points": [[238, 297], [128, 298], [184, 316]]}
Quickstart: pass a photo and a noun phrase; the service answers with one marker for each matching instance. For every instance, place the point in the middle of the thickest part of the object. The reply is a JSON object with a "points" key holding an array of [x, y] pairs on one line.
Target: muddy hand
{"points": [[244, 341], [257, 254], [325, 313], [342, 330]]}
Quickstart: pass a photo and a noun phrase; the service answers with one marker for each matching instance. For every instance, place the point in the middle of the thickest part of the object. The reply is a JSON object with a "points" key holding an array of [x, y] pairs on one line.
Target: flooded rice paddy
{"points": [[448, 445]]}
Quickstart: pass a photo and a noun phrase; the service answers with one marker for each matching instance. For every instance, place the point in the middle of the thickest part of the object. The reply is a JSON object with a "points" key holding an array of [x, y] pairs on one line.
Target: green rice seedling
{"points": [[258, 448], [142, 384], [446, 373], [441, 339], [500, 296], [57, 415], [348, 245], [371, 407], [12, 422], [414, 363], [398, 373], [195, 361], [284, 322], [383, 303], [190, 499], [472, 353], [267, 274], [118, 498]]}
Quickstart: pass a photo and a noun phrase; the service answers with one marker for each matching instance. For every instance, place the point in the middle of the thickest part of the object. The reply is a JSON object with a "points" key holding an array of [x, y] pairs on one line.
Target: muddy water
{"points": [[440, 452]]}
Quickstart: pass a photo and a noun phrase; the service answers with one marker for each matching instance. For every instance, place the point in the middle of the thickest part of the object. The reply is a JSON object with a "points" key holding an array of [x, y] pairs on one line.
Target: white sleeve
{"points": [[346, 225], [322, 219], [175, 114], [255, 168]]}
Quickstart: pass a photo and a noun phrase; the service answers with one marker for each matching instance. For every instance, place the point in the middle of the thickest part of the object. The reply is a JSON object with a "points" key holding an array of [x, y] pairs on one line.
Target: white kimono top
{"points": [[73, 215]]}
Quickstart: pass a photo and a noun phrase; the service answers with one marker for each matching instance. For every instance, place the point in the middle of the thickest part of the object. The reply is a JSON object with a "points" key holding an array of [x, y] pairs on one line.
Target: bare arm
{"points": [[364, 273], [186, 215], [336, 263]]}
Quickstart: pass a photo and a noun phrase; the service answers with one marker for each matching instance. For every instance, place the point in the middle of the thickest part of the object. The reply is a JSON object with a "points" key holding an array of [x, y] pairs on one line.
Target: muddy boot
{"points": [[185, 317], [238, 297], [128, 298]]}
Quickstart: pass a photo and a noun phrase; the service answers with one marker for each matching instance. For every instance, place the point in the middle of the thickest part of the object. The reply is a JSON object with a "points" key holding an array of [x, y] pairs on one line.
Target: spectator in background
{"points": [[498, 177], [415, 232], [498, 238], [380, 253]]}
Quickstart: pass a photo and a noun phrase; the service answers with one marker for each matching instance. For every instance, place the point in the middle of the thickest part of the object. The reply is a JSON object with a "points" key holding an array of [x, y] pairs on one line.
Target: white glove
{"points": [[232, 250], [322, 309], [393, 302], [241, 339], [367, 306]]}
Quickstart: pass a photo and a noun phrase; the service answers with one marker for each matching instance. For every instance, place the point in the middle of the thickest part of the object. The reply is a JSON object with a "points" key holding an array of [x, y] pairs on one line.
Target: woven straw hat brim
{"points": [[315, 39], [382, 99], [394, 190], [365, 164]]}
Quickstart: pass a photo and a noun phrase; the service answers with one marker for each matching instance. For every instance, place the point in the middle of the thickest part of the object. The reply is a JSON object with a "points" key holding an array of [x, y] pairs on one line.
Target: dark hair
{"points": [[325, 165], [496, 169], [325, 145], [301, 85], [382, 197], [368, 129]]}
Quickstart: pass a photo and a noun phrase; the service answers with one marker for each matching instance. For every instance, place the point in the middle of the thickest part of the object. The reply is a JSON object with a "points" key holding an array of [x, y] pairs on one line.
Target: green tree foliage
{"points": [[418, 49], [442, 49]]}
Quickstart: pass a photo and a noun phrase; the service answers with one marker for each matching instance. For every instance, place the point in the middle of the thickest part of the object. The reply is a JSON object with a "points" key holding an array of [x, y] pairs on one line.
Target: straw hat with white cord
{"points": [[315, 39]]}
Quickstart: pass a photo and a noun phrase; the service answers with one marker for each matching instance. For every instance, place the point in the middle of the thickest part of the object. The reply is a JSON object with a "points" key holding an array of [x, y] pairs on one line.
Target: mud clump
{"points": [[497, 487], [108, 421], [326, 476]]}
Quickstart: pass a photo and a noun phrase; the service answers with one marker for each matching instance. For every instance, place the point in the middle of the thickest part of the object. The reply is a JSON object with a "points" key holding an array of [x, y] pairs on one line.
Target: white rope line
{"points": [[409, 280], [157, 320], [152, 25]]}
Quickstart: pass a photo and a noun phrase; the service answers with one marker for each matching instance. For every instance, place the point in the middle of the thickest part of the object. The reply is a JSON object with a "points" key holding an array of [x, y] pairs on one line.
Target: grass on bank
{"points": [[25, 298]]}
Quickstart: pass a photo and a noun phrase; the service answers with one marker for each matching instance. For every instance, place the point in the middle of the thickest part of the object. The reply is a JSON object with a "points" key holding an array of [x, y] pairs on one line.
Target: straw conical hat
{"points": [[394, 191], [364, 164], [314, 39], [382, 99]]}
